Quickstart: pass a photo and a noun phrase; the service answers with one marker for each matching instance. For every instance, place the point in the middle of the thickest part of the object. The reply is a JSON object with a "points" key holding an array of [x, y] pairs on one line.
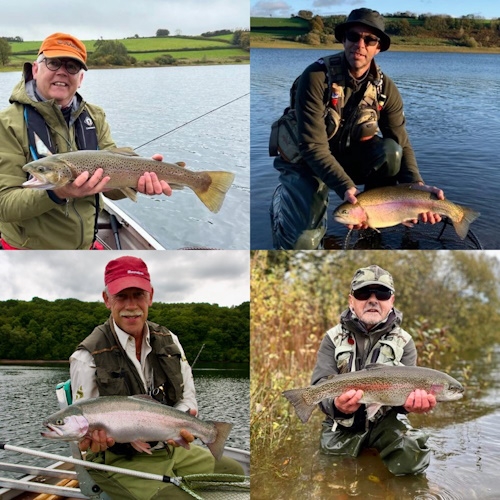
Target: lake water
{"points": [[28, 395], [463, 439], [453, 119], [141, 104]]}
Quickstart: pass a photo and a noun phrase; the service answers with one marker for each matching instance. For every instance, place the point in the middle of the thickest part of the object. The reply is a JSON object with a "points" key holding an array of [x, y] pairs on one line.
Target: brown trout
{"points": [[135, 420], [392, 205], [124, 167], [382, 385]]}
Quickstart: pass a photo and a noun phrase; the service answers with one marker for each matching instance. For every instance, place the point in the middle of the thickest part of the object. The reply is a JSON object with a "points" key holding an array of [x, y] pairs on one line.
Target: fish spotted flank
{"points": [[124, 167], [135, 420], [392, 205], [382, 385]]}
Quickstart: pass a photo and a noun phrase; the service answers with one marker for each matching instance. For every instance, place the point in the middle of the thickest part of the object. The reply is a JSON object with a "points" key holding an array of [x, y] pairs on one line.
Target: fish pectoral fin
{"points": [[372, 409], [407, 223], [129, 193], [123, 151], [141, 446], [182, 442]]}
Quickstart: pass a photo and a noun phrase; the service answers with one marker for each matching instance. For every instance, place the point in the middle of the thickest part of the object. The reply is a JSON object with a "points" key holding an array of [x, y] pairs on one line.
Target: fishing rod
{"points": [[198, 355], [193, 120]]}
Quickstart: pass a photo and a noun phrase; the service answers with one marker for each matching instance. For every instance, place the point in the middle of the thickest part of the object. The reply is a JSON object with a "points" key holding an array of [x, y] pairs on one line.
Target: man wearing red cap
{"points": [[46, 112], [130, 355], [351, 131]]}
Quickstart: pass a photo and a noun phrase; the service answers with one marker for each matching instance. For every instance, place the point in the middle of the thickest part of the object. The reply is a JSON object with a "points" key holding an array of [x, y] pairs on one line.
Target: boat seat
{"points": [[87, 485]]}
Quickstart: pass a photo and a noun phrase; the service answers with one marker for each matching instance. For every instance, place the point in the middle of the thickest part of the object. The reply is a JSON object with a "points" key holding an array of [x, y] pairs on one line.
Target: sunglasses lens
{"points": [[354, 37], [366, 293]]}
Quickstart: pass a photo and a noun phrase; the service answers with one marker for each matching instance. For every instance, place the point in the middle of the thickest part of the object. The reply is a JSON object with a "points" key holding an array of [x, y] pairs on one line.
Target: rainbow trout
{"points": [[382, 385], [134, 420], [124, 167], [392, 205]]}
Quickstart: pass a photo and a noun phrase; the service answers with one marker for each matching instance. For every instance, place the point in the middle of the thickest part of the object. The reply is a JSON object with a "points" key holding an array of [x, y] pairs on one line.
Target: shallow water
{"points": [[465, 446]]}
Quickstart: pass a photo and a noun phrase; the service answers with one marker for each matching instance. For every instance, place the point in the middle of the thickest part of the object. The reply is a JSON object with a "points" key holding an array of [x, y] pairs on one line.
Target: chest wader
{"points": [[401, 447]]}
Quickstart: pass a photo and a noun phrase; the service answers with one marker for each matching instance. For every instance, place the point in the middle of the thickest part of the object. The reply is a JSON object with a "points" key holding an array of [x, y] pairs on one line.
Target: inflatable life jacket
{"points": [[85, 137]]}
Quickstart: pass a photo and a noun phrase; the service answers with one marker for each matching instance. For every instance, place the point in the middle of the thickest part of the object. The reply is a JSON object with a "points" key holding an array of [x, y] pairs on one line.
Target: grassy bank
{"points": [[185, 50]]}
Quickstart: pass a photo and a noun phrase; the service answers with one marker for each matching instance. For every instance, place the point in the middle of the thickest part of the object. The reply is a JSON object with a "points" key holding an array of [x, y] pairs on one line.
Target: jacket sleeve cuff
{"points": [[55, 198]]}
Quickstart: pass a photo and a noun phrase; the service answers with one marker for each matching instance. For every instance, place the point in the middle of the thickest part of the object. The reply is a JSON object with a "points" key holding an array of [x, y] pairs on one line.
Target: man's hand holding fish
{"points": [[86, 184]]}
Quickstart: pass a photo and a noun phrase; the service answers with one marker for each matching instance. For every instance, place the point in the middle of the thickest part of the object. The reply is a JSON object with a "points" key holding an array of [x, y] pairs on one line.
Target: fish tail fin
{"points": [[213, 197], [295, 396], [462, 226], [217, 446]]}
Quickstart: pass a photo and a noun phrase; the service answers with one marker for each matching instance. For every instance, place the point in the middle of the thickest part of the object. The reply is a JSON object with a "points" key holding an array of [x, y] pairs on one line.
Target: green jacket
{"points": [[28, 217], [315, 148]]}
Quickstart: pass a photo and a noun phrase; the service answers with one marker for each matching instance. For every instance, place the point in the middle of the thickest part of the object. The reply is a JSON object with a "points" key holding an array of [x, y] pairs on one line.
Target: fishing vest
{"points": [[388, 350], [85, 132], [361, 120], [115, 373]]}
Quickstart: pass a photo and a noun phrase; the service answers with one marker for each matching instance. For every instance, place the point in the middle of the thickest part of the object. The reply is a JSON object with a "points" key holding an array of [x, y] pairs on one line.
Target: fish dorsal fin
{"points": [[123, 151], [375, 366], [144, 397]]}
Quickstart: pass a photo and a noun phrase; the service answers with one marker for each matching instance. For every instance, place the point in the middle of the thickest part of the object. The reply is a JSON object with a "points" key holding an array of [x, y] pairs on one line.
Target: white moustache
{"points": [[130, 314]]}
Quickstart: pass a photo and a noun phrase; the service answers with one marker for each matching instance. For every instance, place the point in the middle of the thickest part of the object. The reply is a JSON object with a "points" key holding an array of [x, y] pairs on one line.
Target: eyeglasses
{"points": [[366, 293], [72, 67], [354, 36]]}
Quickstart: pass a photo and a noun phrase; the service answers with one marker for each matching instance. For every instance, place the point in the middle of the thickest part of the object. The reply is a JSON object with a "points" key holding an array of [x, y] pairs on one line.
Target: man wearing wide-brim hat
{"points": [[351, 132]]}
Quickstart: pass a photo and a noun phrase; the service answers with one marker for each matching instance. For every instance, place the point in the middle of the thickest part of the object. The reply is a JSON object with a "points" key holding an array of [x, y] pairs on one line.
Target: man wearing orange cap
{"points": [[46, 112], [129, 355]]}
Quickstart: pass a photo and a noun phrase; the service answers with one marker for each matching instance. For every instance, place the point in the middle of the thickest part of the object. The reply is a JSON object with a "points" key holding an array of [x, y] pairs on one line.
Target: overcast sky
{"points": [[110, 19], [213, 276]]}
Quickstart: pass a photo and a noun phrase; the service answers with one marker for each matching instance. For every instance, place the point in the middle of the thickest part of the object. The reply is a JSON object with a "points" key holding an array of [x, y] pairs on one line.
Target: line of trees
{"points": [[51, 330], [470, 30]]}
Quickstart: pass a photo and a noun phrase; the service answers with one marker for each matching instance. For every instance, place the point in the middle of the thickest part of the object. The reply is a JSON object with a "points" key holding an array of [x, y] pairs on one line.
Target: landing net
{"points": [[440, 236]]}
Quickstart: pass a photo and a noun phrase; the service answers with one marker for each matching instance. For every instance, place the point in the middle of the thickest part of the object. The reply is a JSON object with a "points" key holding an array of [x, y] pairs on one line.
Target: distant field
{"points": [[187, 49], [272, 28]]}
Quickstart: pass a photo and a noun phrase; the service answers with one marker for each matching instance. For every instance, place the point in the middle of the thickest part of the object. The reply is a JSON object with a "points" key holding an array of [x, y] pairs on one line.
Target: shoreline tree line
{"points": [[50, 330], [467, 31]]}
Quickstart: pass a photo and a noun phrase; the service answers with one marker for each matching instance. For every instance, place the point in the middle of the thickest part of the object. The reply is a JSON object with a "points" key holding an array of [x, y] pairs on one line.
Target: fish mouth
{"points": [[53, 430], [35, 182]]}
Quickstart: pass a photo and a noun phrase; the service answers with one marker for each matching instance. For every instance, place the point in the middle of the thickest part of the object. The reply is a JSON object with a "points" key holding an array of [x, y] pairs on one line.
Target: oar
{"points": [[177, 481], [84, 463]]}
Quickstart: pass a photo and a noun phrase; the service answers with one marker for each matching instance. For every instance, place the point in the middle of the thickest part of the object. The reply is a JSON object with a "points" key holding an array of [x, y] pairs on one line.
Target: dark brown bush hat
{"points": [[369, 18]]}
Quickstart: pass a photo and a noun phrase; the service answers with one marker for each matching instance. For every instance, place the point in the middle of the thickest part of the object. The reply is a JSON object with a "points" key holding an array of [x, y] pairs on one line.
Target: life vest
{"points": [[116, 375], [85, 137], [361, 123], [85, 132]]}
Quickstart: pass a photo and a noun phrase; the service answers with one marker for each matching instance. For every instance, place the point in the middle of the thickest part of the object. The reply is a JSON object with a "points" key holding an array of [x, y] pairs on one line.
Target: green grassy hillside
{"points": [[185, 50]]}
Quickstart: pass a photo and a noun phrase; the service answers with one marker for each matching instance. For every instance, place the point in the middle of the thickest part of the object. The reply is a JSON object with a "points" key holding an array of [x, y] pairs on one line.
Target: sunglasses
{"points": [[72, 67], [354, 37], [366, 293]]}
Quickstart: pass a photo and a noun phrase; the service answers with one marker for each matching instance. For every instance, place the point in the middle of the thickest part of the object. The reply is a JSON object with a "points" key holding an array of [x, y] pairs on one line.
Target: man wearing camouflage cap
{"points": [[370, 332]]}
